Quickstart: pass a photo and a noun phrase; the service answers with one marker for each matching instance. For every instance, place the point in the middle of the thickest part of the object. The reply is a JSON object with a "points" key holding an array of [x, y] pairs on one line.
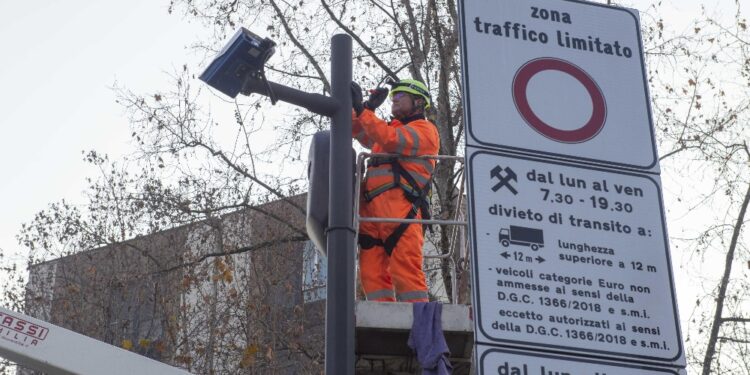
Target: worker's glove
{"points": [[357, 98], [377, 97]]}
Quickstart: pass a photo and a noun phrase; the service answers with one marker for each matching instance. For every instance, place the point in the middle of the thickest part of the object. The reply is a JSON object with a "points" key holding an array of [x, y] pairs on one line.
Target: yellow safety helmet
{"points": [[414, 87]]}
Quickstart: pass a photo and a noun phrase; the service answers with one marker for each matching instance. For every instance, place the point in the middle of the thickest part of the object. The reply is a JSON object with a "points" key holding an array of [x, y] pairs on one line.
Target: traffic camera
{"points": [[242, 58]]}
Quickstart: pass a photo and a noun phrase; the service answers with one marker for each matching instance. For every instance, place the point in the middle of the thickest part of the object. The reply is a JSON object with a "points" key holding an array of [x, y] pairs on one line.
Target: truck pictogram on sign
{"points": [[523, 236]]}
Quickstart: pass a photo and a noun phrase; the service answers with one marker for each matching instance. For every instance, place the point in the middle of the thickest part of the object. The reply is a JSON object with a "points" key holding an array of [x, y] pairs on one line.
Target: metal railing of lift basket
{"points": [[458, 225]]}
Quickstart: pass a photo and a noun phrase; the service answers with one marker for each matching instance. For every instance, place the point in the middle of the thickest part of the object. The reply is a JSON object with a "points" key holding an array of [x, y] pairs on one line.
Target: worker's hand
{"points": [[377, 97], [357, 98]]}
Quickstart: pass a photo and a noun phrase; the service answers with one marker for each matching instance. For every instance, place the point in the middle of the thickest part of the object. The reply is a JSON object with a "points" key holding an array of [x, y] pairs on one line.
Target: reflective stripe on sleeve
{"points": [[362, 138], [401, 141], [414, 140]]}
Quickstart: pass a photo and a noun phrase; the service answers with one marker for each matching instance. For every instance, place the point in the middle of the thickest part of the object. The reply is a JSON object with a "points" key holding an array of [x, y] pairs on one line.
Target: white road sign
{"points": [[559, 77], [571, 258], [508, 362]]}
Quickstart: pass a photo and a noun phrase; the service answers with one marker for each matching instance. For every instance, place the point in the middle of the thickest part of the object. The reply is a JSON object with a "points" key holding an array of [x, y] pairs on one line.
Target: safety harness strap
{"points": [[392, 240], [415, 195], [367, 242]]}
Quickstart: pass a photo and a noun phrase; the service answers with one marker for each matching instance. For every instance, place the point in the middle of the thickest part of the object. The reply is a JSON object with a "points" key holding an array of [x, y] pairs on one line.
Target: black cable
{"points": [[269, 90], [388, 80]]}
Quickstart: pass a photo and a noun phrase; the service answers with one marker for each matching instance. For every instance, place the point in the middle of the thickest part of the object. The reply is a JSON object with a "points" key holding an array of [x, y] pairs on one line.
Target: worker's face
{"points": [[402, 105]]}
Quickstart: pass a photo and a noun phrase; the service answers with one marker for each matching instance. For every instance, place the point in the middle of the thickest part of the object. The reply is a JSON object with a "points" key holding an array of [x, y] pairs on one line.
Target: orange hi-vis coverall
{"points": [[387, 193]]}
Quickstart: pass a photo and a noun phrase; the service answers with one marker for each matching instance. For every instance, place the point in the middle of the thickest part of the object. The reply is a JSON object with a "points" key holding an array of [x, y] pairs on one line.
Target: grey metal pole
{"points": [[315, 103], [340, 285]]}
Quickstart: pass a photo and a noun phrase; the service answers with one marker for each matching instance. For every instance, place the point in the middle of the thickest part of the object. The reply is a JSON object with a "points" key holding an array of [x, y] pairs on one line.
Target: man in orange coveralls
{"points": [[391, 253]]}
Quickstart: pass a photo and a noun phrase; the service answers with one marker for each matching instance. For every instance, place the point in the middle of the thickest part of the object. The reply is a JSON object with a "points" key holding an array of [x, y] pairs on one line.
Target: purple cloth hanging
{"points": [[427, 340]]}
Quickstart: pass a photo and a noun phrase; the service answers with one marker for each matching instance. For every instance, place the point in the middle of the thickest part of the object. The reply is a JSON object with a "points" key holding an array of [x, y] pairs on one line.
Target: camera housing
{"points": [[246, 53]]}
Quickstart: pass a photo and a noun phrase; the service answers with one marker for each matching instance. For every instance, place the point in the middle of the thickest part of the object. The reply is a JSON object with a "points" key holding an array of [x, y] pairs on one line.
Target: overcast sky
{"points": [[61, 59]]}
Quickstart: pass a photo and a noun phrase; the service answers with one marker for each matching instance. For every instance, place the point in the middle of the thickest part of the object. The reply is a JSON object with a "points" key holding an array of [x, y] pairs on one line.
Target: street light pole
{"points": [[340, 285]]}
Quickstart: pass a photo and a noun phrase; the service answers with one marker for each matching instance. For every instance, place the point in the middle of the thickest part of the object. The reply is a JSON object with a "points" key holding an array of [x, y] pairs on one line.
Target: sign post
{"points": [[569, 241]]}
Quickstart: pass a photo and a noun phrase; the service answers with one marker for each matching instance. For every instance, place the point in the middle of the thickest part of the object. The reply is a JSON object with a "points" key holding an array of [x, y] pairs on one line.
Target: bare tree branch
{"points": [[717, 320], [310, 58], [359, 41], [239, 250]]}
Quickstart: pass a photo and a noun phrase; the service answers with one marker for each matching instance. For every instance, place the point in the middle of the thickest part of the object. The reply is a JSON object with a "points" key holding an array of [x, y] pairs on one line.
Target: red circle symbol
{"points": [[582, 134]]}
